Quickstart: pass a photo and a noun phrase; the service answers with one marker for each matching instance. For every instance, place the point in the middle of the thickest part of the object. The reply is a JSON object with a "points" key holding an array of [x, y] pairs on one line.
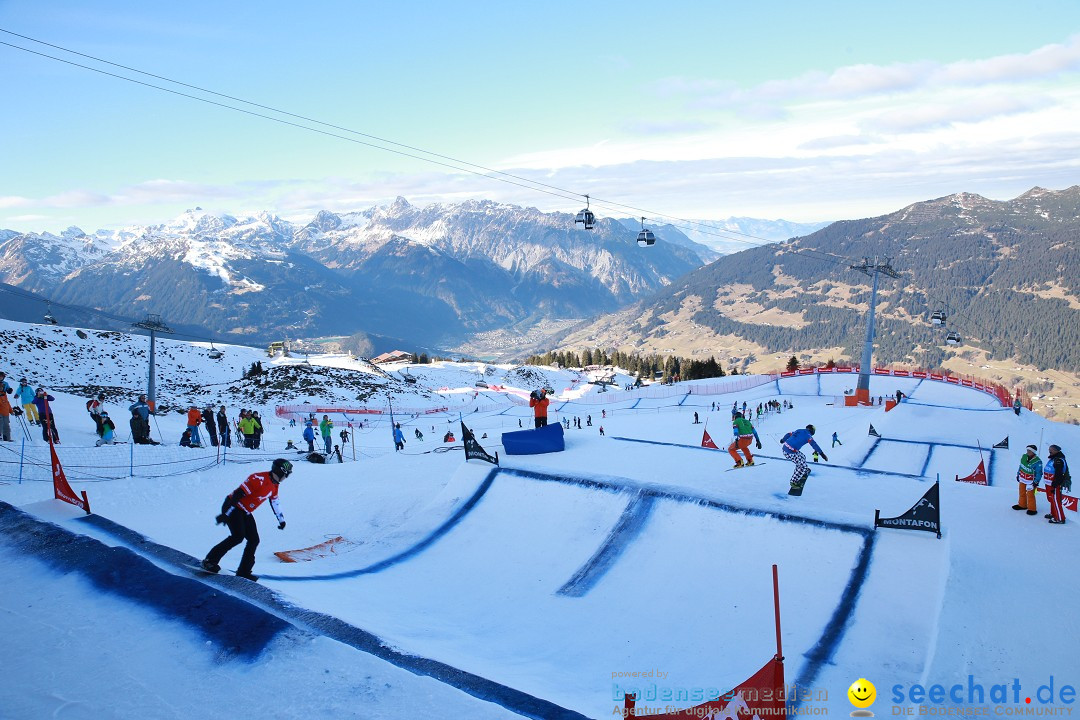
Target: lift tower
{"points": [[154, 324], [874, 270]]}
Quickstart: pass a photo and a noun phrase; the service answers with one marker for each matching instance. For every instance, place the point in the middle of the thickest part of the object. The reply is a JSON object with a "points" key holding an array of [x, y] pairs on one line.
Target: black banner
{"points": [[1004, 444], [473, 451], [873, 432], [924, 515]]}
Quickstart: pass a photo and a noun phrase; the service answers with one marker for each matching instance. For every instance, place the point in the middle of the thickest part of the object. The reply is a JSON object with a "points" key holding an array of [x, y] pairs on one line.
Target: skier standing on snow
{"points": [[236, 512], [194, 419], [140, 422], [48, 420], [539, 402], [223, 426], [399, 438], [211, 425], [5, 414], [309, 435], [1056, 481], [1028, 476], [25, 396], [247, 429], [836, 440], [744, 432], [326, 427], [791, 443], [257, 440]]}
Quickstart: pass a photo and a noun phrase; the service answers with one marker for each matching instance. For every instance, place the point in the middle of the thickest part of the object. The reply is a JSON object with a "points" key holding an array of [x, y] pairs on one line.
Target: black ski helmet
{"points": [[812, 429], [282, 468]]}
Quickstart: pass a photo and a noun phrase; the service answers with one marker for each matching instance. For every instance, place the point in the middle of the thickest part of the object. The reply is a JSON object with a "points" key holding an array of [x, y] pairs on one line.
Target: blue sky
{"points": [[707, 109]]}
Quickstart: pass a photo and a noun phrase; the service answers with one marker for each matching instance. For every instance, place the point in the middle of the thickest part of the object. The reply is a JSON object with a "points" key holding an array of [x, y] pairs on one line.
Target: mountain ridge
{"points": [[430, 274]]}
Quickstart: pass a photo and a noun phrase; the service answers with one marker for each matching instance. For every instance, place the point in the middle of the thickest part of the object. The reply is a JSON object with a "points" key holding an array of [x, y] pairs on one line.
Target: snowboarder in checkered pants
{"points": [[791, 443]]}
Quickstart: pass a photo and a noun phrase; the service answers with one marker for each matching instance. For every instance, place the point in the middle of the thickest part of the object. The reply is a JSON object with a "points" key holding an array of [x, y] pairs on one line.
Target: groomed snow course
{"points": [[557, 576]]}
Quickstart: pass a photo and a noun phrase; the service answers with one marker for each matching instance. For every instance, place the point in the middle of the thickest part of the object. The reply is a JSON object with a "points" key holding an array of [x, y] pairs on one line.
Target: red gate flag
{"points": [[976, 478], [1067, 501], [763, 695], [61, 489], [707, 441]]}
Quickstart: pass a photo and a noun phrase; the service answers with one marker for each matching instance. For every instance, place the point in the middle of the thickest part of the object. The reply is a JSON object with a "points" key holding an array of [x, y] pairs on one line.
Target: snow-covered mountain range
{"points": [[425, 274]]}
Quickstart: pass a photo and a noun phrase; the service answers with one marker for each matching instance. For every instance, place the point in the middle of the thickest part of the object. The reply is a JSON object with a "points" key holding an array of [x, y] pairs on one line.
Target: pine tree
{"points": [[793, 364]]}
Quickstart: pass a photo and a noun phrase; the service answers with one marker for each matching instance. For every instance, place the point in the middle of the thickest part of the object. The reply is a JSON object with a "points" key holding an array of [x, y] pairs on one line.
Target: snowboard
{"points": [[200, 570], [796, 490], [743, 467]]}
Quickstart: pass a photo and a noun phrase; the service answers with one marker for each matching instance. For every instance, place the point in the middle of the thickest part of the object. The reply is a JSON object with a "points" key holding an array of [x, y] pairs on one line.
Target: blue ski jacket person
{"points": [[141, 407], [309, 435], [399, 438], [795, 440]]}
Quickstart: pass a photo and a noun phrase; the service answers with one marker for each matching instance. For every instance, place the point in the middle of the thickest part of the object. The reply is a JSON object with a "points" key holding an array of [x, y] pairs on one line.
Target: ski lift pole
{"points": [[391, 406], [131, 458]]}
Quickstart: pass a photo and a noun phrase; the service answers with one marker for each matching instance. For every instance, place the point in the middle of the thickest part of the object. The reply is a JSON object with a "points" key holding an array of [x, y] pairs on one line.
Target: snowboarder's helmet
{"points": [[282, 468], [101, 396], [737, 415], [812, 429]]}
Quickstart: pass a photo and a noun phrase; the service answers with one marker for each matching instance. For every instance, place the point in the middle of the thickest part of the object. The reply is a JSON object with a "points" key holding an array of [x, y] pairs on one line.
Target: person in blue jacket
{"points": [[399, 438], [791, 443], [309, 435], [25, 395]]}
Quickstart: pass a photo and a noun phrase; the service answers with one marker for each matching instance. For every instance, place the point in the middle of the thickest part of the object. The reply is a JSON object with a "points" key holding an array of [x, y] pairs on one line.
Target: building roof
{"points": [[392, 356]]}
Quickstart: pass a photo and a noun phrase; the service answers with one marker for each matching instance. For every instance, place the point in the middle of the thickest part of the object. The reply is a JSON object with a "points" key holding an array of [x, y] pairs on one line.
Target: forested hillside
{"points": [[1006, 273]]}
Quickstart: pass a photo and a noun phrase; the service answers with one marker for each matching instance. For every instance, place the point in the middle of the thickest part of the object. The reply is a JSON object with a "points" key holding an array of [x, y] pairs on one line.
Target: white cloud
{"points": [[861, 140], [15, 201]]}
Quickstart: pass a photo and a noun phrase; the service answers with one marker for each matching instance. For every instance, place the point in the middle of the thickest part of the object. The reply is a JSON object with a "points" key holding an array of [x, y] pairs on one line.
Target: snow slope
{"points": [[552, 577]]}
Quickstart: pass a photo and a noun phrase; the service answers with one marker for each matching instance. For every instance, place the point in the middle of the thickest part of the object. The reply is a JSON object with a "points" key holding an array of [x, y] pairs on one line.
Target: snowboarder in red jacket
{"points": [[236, 512]]}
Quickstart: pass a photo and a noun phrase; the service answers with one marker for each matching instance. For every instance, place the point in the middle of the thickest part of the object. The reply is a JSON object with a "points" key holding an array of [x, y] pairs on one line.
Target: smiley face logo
{"points": [[862, 693]]}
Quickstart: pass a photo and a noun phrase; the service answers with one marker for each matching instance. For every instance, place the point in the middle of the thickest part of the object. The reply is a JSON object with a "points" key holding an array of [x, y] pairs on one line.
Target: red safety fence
{"points": [[1004, 395]]}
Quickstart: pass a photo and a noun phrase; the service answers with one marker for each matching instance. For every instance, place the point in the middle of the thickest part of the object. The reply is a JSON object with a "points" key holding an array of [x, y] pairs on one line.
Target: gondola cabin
{"points": [[50, 319], [586, 216], [937, 318], [645, 238], [953, 338]]}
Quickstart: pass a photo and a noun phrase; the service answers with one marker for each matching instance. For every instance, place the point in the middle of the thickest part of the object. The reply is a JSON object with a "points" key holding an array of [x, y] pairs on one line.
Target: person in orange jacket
{"points": [[194, 419], [5, 413], [538, 401], [237, 512]]}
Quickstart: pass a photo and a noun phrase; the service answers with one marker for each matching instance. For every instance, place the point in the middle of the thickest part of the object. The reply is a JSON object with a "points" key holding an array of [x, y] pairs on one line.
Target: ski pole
{"points": [[26, 431], [156, 426]]}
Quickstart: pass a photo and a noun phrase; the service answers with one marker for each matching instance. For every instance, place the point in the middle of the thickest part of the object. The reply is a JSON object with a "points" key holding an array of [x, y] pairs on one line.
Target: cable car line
{"points": [[453, 164]]}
